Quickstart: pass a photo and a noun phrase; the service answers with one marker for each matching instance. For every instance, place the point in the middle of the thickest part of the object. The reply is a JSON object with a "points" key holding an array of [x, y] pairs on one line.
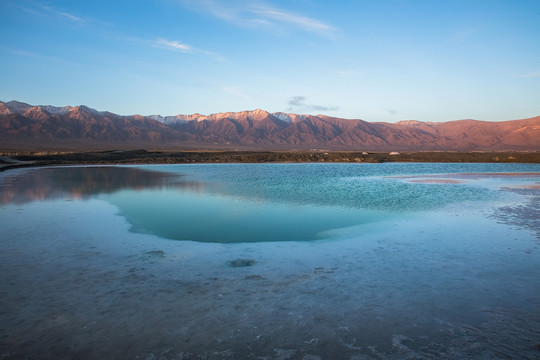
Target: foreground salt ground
{"points": [[458, 282]]}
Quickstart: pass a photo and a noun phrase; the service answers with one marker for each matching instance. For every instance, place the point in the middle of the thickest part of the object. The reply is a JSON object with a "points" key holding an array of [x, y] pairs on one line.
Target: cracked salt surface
{"points": [[451, 281]]}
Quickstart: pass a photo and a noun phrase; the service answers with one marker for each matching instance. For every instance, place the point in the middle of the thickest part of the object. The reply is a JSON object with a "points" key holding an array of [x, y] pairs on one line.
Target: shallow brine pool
{"points": [[273, 261]]}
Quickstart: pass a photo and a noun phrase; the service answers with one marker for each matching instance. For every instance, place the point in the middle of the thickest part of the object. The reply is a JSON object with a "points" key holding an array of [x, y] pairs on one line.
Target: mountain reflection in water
{"points": [[85, 182], [255, 203]]}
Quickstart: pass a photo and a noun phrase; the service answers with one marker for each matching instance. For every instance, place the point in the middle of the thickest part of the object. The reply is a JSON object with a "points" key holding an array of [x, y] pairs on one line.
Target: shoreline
{"points": [[17, 159]]}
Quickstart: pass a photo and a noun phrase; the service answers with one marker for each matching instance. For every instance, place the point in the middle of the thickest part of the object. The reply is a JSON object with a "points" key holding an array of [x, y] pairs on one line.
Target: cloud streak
{"points": [[256, 14], [30, 54], [63, 14], [298, 103], [303, 22], [44, 10], [173, 45]]}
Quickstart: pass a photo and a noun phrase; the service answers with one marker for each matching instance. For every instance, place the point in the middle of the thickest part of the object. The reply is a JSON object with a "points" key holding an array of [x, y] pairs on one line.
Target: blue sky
{"points": [[377, 60]]}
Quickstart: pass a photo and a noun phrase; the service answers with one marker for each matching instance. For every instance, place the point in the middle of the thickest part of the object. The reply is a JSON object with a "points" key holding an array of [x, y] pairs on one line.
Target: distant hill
{"points": [[23, 126]]}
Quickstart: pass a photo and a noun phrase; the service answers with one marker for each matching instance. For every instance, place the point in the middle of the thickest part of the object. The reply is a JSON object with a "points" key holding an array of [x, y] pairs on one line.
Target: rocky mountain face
{"points": [[26, 125], [21, 120]]}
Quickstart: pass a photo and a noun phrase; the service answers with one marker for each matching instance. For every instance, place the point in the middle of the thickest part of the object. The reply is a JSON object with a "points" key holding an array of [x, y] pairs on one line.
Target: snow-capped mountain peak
{"points": [[283, 116]]}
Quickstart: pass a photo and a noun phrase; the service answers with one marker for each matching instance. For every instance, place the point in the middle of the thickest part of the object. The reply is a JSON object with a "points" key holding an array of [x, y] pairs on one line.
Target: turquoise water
{"points": [[285, 202], [261, 202]]}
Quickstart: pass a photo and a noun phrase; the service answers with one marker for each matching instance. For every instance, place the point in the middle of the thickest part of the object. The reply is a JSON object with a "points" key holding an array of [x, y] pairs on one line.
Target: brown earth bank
{"points": [[23, 159]]}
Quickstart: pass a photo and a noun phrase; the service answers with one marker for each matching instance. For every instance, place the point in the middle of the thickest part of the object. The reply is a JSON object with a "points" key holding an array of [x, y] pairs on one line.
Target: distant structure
{"points": [[394, 153]]}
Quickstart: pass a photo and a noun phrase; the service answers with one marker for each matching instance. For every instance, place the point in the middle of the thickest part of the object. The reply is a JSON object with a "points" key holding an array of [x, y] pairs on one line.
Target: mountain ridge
{"points": [[23, 125]]}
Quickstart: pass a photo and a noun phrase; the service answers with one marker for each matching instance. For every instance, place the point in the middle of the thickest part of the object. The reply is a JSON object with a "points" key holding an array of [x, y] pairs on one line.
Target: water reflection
{"points": [[242, 203], [167, 205], [84, 182]]}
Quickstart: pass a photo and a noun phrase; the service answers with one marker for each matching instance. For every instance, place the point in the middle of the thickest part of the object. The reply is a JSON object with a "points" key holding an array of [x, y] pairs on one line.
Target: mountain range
{"points": [[23, 126]]}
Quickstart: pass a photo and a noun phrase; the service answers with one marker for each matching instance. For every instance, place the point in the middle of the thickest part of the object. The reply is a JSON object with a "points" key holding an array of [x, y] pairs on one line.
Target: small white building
{"points": [[394, 153]]}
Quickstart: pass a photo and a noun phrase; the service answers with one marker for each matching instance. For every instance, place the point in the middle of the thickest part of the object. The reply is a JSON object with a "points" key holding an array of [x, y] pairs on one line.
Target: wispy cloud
{"points": [[37, 9], [298, 103], [309, 24], [173, 45], [62, 14], [253, 13], [30, 54]]}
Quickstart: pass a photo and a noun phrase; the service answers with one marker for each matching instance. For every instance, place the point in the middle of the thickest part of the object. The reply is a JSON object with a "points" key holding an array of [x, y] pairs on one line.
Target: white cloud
{"points": [[30, 54], [173, 45], [215, 8], [282, 16], [47, 11], [58, 13], [253, 13]]}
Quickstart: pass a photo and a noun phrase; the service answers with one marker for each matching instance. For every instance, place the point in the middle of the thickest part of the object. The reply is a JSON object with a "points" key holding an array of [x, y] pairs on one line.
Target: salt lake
{"points": [[271, 261]]}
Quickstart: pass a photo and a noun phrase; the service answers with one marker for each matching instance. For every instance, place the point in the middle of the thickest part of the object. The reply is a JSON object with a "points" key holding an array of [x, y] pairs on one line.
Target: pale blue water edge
{"points": [[288, 261]]}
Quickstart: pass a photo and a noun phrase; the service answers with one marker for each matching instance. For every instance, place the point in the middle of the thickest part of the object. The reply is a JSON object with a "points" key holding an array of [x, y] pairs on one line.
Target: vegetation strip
{"points": [[19, 159]]}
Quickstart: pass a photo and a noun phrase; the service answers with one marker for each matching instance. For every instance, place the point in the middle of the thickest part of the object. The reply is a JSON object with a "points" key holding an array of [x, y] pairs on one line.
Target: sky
{"points": [[376, 60]]}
